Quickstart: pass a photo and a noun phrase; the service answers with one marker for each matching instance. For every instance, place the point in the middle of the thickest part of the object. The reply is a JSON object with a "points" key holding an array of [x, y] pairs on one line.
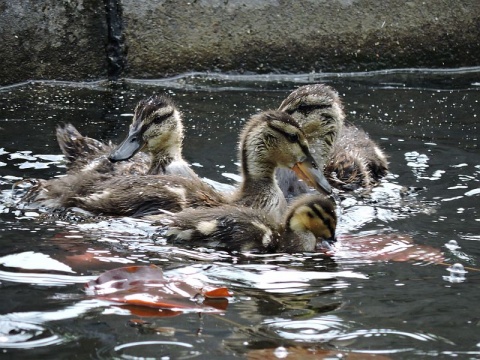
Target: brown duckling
{"points": [[350, 158], [310, 221], [127, 195], [156, 127], [269, 140], [356, 161]]}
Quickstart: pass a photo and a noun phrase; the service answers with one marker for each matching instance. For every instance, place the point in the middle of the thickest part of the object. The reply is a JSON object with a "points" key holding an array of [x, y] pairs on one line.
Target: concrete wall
{"points": [[93, 39], [50, 39]]}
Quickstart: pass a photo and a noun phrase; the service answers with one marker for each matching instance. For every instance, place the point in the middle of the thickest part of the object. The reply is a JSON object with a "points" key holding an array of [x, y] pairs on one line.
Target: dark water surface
{"points": [[386, 292]]}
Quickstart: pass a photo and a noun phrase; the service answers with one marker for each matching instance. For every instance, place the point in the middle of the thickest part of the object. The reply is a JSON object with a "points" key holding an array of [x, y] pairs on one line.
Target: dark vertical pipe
{"points": [[116, 48]]}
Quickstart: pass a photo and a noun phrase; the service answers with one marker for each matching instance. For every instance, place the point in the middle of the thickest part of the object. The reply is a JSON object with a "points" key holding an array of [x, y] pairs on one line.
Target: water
{"points": [[403, 283]]}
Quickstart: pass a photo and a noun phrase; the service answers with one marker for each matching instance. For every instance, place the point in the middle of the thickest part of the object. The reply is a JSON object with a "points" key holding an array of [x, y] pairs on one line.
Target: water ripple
{"points": [[276, 279], [153, 349], [24, 335], [142, 343], [39, 279], [334, 330]]}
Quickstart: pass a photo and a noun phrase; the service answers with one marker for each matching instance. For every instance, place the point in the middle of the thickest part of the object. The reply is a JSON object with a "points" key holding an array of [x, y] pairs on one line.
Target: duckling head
{"points": [[156, 128], [311, 221], [319, 111], [274, 139]]}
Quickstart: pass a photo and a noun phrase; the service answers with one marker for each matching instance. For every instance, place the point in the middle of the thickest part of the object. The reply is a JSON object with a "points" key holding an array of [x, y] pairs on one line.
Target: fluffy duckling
{"points": [[127, 195], [272, 140], [269, 140], [350, 158], [356, 161], [310, 221], [156, 127]]}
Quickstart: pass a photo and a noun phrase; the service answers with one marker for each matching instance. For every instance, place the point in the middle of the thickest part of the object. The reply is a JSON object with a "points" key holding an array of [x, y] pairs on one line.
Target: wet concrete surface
{"points": [[91, 39]]}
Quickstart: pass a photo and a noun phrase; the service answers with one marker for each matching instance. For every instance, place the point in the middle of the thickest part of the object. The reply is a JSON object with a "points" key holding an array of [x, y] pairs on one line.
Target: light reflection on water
{"points": [[23, 335], [384, 292]]}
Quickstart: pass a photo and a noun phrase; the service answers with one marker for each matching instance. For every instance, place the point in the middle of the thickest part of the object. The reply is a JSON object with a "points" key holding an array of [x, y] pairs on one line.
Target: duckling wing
{"points": [[79, 149], [146, 195], [62, 192], [84, 153]]}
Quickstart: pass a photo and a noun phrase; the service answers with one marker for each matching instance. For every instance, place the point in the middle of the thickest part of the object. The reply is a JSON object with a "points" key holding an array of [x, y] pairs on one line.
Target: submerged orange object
{"points": [[146, 286], [217, 293]]}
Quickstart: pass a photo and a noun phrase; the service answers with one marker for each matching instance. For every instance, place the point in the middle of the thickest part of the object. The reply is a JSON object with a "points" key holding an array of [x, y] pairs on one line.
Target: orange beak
{"points": [[309, 172]]}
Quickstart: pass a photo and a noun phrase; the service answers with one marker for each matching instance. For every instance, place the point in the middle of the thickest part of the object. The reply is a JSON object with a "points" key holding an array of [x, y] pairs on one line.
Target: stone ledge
{"points": [[74, 40]]}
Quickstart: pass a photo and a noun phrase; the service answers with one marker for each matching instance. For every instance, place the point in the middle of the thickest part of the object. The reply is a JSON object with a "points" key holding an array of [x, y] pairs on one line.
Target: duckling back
{"points": [[229, 227], [144, 195], [356, 161], [79, 149], [310, 221]]}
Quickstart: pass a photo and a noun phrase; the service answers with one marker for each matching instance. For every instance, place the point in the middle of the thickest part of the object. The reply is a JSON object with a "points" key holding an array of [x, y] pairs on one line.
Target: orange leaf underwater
{"points": [[146, 286], [385, 247]]}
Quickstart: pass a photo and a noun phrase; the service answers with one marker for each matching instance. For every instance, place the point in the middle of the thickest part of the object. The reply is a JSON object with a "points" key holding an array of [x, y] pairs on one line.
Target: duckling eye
{"points": [[160, 117], [310, 215], [293, 138], [305, 109]]}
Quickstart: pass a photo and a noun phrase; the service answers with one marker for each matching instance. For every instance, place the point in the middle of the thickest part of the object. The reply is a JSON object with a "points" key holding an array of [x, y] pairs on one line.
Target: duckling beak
{"points": [[326, 245], [129, 147], [309, 172]]}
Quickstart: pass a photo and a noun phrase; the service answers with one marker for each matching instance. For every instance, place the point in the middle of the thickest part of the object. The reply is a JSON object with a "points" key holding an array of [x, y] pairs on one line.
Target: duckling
{"points": [[269, 140], [310, 221], [128, 195], [156, 126], [350, 158]]}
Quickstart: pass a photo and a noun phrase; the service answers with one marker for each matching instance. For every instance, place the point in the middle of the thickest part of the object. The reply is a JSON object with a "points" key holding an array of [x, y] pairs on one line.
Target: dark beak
{"points": [[129, 147], [326, 246], [309, 172]]}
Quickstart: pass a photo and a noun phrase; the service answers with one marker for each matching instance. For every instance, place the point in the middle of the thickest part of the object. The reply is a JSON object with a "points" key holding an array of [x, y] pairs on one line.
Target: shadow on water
{"points": [[386, 293]]}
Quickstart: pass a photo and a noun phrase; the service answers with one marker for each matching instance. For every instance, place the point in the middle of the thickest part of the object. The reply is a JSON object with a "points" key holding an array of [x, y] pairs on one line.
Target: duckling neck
{"points": [[256, 165], [161, 160], [262, 193], [259, 188], [258, 178]]}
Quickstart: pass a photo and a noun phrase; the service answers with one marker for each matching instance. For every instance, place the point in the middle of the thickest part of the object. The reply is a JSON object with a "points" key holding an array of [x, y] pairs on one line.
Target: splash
{"points": [[457, 274]]}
